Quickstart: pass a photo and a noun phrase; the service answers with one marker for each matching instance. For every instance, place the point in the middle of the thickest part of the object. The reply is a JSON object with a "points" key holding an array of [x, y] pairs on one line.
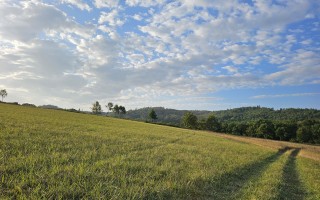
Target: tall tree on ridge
{"points": [[3, 93], [153, 115], [96, 108], [110, 106]]}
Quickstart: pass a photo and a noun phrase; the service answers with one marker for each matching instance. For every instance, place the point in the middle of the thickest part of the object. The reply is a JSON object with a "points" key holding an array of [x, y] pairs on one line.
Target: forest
{"points": [[292, 124]]}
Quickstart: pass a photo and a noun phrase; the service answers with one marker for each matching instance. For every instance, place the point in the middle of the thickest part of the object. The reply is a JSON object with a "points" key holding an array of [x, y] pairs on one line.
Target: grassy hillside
{"points": [[56, 154]]}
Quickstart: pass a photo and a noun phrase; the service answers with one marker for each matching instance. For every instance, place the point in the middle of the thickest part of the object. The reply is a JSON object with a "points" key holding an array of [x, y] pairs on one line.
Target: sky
{"points": [[182, 54]]}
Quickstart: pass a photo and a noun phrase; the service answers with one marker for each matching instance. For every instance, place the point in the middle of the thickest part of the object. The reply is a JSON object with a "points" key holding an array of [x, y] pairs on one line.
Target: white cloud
{"points": [[99, 51], [144, 3], [231, 69], [106, 3], [137, 17], [110, 18], [303, 68], [28, 20], [78, 3], [284, 95], [44, 69], [306, 42]]}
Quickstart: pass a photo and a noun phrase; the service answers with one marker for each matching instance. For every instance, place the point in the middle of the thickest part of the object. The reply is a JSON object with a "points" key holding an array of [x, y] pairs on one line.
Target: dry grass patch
{"points": [[307, 151]]}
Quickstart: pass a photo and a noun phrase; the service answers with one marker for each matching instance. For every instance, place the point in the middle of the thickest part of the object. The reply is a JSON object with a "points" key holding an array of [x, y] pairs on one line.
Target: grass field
{"points": [[49, 154]]}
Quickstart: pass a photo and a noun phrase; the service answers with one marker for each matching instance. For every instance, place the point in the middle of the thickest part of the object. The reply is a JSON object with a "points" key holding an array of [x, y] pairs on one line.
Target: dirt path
{"points": [[307, 151]]}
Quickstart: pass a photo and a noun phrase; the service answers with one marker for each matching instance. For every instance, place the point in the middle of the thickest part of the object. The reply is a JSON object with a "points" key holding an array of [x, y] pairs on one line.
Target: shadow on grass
{"points": [[291, 187], [227, 186]]}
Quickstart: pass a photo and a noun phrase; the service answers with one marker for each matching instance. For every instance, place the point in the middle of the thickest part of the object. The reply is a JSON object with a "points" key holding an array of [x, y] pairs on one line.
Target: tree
{"points": [[305, 130], [110, 106], [251, 129], [212, 123], [281, 132], [122, 110], [264, 129], [3, 93], [116, 109], [189, 120], [304, 134], [285, 130], [153, 115], [96, 108], [316, 133], [239, 128], [202, 125]]}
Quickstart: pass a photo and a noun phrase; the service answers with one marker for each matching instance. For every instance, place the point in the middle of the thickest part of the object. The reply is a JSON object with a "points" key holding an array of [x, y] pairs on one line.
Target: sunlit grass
{"points": [[56, 154]]}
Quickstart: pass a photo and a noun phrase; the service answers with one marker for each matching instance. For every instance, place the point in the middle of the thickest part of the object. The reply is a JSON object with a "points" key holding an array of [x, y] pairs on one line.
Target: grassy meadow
{"points": [[50, 154]]}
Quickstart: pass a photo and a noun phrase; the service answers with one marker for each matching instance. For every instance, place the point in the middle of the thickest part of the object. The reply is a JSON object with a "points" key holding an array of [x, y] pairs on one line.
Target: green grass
{"points": [[51, 154]]}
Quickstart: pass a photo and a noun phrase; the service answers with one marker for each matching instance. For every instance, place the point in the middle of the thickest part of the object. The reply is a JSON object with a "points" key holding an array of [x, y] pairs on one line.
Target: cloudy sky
{"points": [[183, 54]]}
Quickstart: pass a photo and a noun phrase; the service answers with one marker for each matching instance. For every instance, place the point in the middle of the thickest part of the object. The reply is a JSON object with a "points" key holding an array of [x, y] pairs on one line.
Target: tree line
{"points": [[116, 109], [243, 114], [304, 131]]}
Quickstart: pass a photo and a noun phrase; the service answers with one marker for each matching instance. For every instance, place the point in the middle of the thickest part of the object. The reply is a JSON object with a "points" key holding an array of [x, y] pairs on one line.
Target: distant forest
{"points": [[243, 114], [292, 124]]}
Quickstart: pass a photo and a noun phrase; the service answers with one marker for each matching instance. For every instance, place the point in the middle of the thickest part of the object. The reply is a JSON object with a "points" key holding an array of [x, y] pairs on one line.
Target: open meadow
{"points": [[50, 154]]}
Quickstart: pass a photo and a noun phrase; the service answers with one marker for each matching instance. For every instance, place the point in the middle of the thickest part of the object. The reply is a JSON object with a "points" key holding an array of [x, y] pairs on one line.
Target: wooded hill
{"points": [[243, 114], [296, 125]]}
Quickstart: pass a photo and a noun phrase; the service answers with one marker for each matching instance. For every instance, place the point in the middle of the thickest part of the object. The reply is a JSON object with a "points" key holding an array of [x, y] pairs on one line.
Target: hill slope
{"points": [[257, 113], [173, 117], [165, 115], [57, 154]]}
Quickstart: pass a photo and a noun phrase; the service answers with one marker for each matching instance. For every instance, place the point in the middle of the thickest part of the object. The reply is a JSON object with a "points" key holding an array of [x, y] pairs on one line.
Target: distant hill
{"points": [[50, 107], [257, 113], [173, 117], [165, 115]]}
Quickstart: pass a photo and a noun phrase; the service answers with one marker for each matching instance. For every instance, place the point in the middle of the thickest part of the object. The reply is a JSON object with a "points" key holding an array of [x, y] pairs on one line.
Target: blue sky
{"points": [[203, 55]]}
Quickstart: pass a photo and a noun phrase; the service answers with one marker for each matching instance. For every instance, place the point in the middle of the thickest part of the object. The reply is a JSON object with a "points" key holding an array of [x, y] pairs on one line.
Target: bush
{"points": [[189, 120], [28, 104]]}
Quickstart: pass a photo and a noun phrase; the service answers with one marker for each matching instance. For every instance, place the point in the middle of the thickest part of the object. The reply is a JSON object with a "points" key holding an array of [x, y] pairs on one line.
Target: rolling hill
{"points": [[243, 114], [52, 154]]}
